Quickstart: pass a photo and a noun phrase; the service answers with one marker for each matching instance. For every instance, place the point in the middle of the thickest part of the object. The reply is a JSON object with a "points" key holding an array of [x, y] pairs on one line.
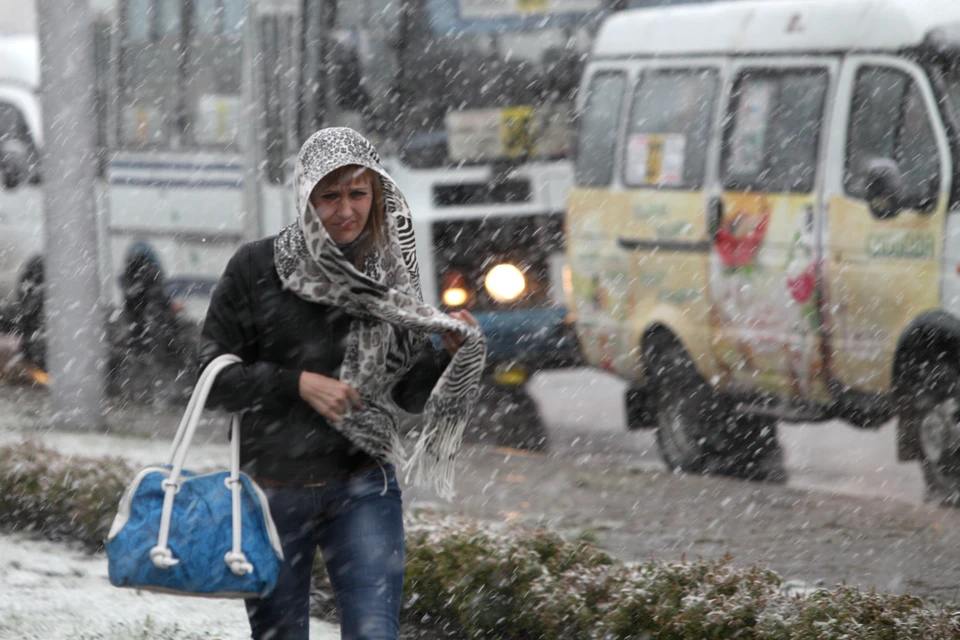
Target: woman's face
{"points": [[344, 208]]}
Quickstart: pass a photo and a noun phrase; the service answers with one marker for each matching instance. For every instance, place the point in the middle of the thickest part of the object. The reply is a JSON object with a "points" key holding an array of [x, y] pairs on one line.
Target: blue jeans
{"points": [[357, 523]]}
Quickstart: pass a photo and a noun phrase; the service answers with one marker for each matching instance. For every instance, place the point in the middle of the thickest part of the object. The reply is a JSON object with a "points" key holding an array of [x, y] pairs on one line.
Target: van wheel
{"points": [[698, 432], [935, 412]]}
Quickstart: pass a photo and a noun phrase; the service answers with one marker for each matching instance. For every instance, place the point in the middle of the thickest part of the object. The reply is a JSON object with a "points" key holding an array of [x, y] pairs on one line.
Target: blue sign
{"points": [[456, 17], [647, 4]]}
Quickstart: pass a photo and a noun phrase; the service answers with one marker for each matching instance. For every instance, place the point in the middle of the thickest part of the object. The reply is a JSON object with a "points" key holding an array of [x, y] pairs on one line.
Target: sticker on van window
{"points": [[671, 166], [750, 130], [638, 157], [656, 159]]}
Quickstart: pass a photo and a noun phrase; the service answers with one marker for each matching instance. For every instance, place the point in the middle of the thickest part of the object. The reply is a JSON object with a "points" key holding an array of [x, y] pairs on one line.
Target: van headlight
{"points": [[505, 282]]}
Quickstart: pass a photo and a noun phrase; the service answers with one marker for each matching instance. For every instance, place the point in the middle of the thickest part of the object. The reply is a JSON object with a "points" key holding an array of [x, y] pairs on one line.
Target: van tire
{"points": [[697, 430], [933, 415]]}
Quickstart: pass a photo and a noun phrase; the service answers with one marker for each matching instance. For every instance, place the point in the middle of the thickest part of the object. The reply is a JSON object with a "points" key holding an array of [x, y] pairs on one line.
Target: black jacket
{"points": [[279, 335]]}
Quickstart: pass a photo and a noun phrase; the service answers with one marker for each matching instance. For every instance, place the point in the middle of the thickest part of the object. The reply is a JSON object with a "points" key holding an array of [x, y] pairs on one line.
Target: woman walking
{"points": [[329, 321]]}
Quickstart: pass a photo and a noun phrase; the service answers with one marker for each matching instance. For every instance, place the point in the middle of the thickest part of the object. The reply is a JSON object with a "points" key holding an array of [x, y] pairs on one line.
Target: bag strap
{"points": [[161, 555], [198, 397], [235, 558]]}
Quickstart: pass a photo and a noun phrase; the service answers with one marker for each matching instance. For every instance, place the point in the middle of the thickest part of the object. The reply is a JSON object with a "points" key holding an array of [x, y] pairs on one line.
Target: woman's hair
{"points": [[374, 234]]}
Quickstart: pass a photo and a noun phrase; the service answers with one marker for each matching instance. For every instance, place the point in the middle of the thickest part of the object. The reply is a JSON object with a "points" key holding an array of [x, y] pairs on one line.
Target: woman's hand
{"points": [[328, 396], [451, 341]]}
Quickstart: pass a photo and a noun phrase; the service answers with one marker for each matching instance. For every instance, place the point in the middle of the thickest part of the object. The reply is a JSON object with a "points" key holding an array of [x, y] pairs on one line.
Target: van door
{"points": [[662, 230], [592, 210], [882, 264], [764, 225]]}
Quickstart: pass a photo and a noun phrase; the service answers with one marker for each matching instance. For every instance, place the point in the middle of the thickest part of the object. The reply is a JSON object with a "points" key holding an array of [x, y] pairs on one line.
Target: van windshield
{"points": [[12, 126], [15, 134]]}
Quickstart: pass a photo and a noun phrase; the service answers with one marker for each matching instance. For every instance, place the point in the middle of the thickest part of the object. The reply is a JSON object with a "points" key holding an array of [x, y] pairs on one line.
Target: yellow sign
{"points": [[533, 6], [511, 376], [517, 131], [223, 121], [654, 159], [141, 119]]}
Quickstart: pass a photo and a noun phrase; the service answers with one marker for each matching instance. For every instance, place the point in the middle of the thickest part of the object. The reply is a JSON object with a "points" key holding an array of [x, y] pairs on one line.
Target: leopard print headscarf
{"points": [[391, 318]]}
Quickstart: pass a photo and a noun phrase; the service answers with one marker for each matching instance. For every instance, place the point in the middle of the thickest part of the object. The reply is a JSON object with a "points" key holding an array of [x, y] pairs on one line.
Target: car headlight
{"points": [[505, 282], [455, 297], [455, 292]]}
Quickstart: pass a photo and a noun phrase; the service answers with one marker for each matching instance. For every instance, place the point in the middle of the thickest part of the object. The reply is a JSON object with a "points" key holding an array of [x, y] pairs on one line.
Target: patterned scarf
{"points": [[391, 318]]}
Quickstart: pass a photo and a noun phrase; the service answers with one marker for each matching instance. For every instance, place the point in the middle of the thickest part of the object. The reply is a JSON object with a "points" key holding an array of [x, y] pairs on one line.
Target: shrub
{"points": [[516, 583], [59, 496], [714, 599], [489, 581], [146, 630], [532, 584]]}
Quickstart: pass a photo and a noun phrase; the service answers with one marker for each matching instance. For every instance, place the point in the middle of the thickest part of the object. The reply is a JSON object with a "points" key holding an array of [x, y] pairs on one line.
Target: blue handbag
{"points": [[201, 535]]}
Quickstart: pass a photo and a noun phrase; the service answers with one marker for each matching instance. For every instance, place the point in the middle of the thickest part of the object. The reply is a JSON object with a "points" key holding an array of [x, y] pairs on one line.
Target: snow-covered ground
{"points": [[50, 592], [138, 452]]}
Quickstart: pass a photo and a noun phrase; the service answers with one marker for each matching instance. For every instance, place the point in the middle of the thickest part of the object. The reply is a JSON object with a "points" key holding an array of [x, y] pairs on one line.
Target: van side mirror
{"points": [[13, 163], [884, 188]]}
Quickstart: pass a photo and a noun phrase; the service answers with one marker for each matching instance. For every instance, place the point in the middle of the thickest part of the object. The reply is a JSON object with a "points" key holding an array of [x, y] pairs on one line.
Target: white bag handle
{"points": [[160, 554]]}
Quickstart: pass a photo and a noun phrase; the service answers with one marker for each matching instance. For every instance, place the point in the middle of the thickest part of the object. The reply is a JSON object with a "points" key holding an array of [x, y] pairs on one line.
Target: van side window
{"points": [[669, 129], [889, 121], [14, 127], [599, 126], [773, 131]]}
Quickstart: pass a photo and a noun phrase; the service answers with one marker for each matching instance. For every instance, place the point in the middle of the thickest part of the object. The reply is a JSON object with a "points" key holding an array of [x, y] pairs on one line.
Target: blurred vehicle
{"points": [[182, 176], [21, 137], [481, 149], [765, 225], [490, 240], [203, 106], [190, 297]]}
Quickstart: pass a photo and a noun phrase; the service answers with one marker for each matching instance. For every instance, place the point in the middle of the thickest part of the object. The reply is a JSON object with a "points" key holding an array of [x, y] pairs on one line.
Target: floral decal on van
{"points": [[800, 274], [741, 234]]}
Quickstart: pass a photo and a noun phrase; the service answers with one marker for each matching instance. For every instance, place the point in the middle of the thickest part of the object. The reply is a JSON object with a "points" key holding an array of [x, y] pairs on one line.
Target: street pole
{"points": [[74, 317], [329, 63], [251, 126], [311, 32], [413, 36]]}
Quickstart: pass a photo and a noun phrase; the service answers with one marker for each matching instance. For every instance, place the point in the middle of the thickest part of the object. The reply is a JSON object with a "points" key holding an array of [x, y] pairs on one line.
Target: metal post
{"points": [[251, 125], [413, 35], [398, 125], [328, 64], [74, 315], [311, 21]]}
